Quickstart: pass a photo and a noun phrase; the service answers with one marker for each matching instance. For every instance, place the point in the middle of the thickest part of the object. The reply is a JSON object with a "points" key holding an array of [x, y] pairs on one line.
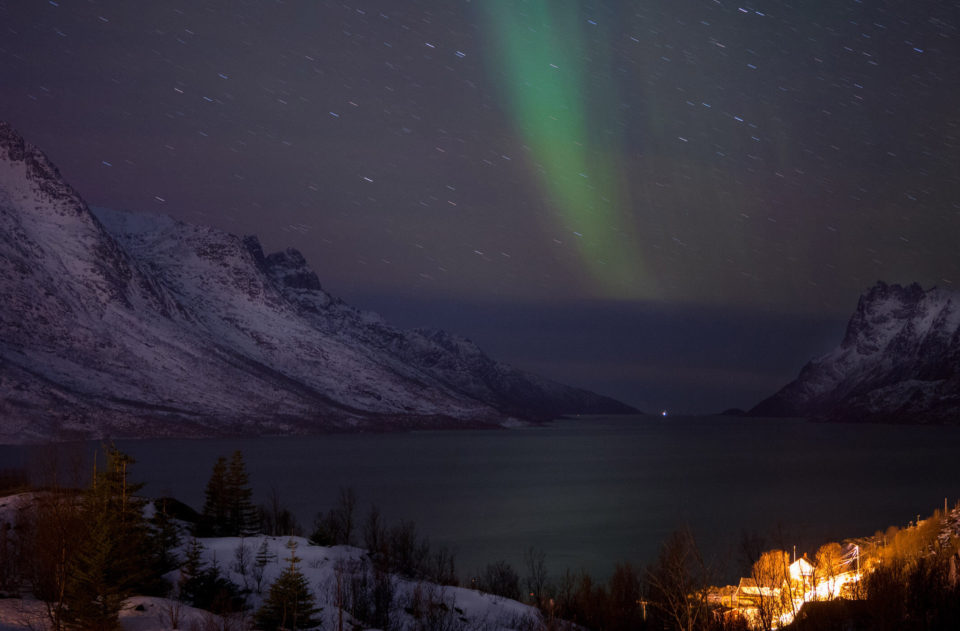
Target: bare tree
{"points": [[59, 465], [271, 513], [171, 614], [829, 557], [48, 527], [275, 519], [443, 567], [624, 608], [677, 583], [375, 537], [565, 594], [260, 562], [345, 509], [771, 572], [536, 561], [500, 579], [408, 551], [242, 556], [338, 526]]}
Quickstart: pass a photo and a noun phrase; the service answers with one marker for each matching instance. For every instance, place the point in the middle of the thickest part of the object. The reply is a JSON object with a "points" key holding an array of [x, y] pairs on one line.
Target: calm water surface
{"points": [[592, 491]]}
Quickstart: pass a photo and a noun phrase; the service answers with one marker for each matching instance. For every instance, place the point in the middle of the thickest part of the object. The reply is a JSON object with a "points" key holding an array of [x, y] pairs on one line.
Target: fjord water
{"points": [[596, 490]]}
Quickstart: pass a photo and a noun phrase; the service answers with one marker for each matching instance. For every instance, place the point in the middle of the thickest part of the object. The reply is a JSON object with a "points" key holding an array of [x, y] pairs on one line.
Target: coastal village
{"points": [[784, 588], [778, 593]]}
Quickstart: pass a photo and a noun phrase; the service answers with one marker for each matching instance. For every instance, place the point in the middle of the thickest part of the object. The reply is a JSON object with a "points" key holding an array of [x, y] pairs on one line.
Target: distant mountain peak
{"points": [[899, 361], [39, 171], [290, 268], [121, 324]]}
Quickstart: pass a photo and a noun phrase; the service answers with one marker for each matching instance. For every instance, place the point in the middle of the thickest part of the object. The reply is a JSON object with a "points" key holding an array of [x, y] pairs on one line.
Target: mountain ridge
{"points": [[122, 324], [898, 361]]}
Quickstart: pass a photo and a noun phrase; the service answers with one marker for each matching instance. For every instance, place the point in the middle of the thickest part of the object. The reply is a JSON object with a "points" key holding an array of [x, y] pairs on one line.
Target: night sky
{"points": [[673, 202]]}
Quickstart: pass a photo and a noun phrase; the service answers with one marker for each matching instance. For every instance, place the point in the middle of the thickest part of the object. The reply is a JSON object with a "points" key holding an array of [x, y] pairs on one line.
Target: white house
{"points": [[801, 570]]}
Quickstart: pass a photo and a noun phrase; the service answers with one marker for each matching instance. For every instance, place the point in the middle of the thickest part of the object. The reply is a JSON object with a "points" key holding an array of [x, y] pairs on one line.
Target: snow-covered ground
{"points": [[323, 567], [143, 613]]}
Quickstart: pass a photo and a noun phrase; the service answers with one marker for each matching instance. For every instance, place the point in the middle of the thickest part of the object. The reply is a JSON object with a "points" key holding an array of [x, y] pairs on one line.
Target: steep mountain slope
{"points": [[899, 361], [136, 325]]}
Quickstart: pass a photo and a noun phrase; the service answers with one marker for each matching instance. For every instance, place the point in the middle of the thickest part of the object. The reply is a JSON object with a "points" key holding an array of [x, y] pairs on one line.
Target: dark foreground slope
{"points": [[899, 361], [135, 325]]}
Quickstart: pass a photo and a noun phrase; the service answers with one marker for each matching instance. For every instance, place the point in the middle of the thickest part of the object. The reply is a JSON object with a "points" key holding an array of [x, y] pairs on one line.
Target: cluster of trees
{"points": [[670, 594], [921, 594], [914, 578], [364, 588], [228, 509], [129, 554], [83, 552], [397, 549], [290, 604], [904, 545], [911, 581]]}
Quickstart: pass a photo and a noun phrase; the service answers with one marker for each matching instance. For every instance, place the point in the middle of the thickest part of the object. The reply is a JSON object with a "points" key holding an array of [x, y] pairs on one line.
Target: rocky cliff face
{"points": [[899, 361], [117, 324]]}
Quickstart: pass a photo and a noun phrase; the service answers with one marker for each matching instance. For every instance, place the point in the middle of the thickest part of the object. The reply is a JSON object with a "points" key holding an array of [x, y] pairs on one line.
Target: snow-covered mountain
{"points": [[899, 361], [125, 324]]}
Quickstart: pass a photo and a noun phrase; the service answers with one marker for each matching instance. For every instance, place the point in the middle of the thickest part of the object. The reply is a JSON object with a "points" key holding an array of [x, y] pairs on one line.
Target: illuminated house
{"points": [[801, 571], [750, 595]]}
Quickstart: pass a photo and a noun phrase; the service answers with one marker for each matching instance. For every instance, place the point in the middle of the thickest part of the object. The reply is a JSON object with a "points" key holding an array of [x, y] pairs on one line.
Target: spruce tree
{"points": [[260, 562], [228, 509], [215, 507], [96, 590], [191, 571], [204, 586], [164, 537], [242, 517], [289, 604], [108, 566]]}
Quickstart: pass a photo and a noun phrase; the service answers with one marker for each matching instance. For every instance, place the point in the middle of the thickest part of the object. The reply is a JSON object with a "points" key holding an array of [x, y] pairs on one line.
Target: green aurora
{"points": [[540, 48]]}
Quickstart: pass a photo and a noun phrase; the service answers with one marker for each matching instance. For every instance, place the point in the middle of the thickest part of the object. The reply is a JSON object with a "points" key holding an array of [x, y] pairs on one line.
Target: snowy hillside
{"points": [[899, 361], [137, 325], [340, 579], [413, 600]]}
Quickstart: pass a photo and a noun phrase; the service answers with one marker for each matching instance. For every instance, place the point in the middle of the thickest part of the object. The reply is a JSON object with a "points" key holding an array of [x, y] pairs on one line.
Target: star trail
{"points": [[650, 198]]}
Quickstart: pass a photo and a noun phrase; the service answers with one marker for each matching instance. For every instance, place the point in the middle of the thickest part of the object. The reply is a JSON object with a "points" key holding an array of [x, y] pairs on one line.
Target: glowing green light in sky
{"points": [[539, 47]]}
